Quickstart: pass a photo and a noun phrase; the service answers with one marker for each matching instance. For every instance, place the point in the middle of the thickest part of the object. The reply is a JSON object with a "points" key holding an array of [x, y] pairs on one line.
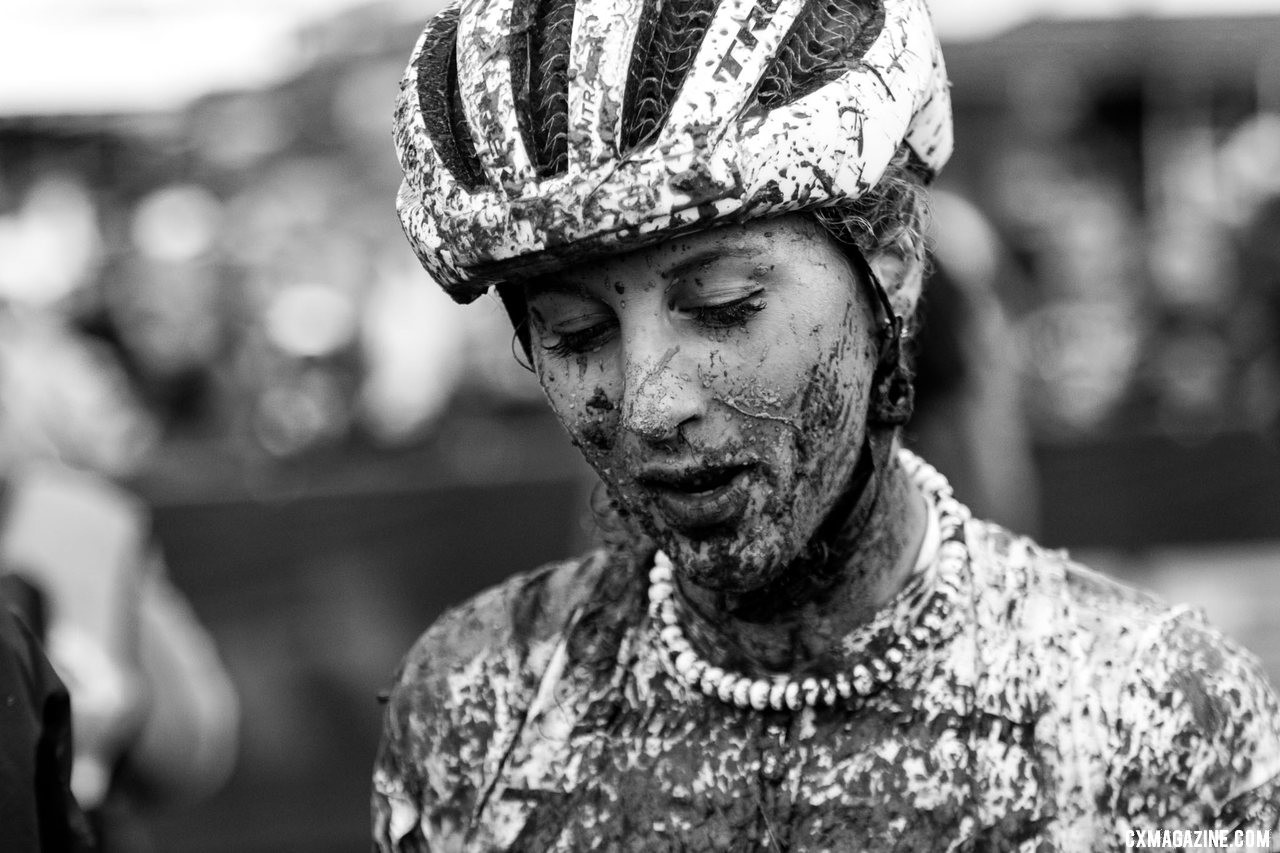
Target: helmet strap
{"points": [[892, 391]]}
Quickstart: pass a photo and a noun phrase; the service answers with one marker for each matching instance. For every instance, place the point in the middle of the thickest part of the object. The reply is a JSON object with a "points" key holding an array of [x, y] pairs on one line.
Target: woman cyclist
{"points": [[705, 219]]}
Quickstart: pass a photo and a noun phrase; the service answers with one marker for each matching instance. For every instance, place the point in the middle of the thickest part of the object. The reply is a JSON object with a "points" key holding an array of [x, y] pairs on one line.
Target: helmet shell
{"points": [[480, 207]]}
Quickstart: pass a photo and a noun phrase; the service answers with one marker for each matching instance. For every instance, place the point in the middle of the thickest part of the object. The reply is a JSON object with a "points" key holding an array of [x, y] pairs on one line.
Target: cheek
{"points": [[597, 424], [805, 372], [589, 411], [836, 393]]}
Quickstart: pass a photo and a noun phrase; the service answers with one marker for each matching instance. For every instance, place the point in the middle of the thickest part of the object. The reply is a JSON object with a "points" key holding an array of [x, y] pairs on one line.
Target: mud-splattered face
{"points": [[718, 384]]}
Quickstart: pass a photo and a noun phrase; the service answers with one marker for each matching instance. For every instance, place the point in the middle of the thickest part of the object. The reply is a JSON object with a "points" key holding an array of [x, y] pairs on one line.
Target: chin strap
{"points": [[892, 392], [893, 396], [848, 516], [823, 560], [821, 563]]}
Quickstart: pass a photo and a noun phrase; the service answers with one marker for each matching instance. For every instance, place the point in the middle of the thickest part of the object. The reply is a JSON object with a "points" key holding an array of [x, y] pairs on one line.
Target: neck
{"points": [[854, 567]]}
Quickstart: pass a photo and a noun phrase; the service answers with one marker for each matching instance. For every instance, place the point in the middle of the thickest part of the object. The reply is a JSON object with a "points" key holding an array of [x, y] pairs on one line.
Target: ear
{"points": [[903, 278]]}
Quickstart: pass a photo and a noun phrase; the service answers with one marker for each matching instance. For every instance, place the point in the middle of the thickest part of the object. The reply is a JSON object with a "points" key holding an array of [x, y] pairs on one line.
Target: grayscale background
{"points": [[198, 197]]}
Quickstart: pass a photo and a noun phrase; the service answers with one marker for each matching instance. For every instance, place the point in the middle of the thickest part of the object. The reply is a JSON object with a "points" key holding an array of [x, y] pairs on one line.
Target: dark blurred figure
{"points": [[969, 419], [156, 717], [1259, 263], [38, 813]]}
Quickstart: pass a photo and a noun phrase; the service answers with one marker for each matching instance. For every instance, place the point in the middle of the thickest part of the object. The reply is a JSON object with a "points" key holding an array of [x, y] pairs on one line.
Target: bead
{"points": [[811, 691], [709, 688], [660, 591], [893, 656], [882, 672], [725, 689], [862, 681], [685, 663], [759, 694], [742, 693], [828, 693], [777, 695], [668, 616], [671, 634], [792, 695], [659, 575]]}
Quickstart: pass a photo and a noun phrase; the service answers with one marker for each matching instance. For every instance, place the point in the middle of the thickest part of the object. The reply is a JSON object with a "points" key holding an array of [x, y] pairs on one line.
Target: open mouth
{"points": [[694, 481], [700, 499]]}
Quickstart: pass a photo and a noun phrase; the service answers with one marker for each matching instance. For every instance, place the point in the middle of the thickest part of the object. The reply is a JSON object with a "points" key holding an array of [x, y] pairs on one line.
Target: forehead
{"points": [[781, 241]]}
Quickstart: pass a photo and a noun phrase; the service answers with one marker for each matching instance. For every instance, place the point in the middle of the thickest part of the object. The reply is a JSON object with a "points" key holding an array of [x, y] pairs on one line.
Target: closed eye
{"points": [[726, 315], [584, 340]]}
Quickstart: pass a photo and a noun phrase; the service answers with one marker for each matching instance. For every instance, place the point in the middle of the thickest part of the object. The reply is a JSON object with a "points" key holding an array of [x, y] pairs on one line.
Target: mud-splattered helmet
{"points": [[534, 133]]}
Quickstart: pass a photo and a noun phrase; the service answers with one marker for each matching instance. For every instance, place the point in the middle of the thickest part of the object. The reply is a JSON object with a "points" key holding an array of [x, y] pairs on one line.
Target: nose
{"points": [[660, 395]]}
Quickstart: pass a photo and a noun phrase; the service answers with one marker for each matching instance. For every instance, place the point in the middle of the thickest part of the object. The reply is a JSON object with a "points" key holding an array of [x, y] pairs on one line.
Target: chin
{"points": [[735, 562]]}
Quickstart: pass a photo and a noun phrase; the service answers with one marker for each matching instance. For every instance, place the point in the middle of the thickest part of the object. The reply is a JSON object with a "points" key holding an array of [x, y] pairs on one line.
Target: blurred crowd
{"points": [[234, 274], [264, 305]]}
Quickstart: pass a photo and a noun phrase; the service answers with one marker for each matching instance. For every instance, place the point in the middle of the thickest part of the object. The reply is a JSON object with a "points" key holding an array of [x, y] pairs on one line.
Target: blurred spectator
{"points": [[1259, 260], [50, 243], [969, 419], [155, 713]]}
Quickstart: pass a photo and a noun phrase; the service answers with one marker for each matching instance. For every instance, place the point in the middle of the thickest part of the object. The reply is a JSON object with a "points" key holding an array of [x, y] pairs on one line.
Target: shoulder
{"points": [[1052, 637], [497, 642], [461, 693], [517, 615], [1189, 725], [1032, 591], [1198, 730]]}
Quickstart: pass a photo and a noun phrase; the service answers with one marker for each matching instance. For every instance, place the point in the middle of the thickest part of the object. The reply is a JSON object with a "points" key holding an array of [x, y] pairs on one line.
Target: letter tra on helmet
{"points": [[537, 133]]}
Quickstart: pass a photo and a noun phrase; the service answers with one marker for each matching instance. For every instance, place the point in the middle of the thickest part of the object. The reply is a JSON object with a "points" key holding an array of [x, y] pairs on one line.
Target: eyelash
{"points": [[729, 314], [577, 343], [724, 316]]}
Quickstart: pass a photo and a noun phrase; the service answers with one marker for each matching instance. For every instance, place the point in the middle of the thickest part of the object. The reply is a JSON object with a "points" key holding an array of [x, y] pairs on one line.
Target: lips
{"points": [[699, 498]]}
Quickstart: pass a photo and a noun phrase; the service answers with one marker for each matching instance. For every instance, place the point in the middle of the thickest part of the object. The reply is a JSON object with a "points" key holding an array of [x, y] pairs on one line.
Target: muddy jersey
{"points": [[1055, 710]]}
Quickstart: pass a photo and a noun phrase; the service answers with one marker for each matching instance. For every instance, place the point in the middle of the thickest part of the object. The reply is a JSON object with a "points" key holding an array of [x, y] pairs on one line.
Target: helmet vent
{"points": [[441, 103], [541, 34], [670, 33], [829, 38]]}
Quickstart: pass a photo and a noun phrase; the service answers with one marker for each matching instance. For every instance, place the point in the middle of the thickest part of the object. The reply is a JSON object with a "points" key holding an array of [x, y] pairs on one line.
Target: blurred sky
{"points": [[120, 56]]}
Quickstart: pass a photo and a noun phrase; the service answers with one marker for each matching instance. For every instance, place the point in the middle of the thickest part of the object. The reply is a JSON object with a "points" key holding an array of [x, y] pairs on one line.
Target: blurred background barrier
{"points": [[205, 296]]}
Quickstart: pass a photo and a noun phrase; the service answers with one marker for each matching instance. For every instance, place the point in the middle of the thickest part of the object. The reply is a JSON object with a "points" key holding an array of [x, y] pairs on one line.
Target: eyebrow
{"points": [[703, 257], [551, 283]]}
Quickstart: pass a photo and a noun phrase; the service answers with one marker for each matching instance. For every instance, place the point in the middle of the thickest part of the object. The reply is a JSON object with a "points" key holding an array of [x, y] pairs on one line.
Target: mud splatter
{"points": [[718, 157], [1051, 716], [600, 401]]}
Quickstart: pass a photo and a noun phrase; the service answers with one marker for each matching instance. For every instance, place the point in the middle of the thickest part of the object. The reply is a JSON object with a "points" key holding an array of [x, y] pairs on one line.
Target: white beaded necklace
{"points": [[783, 692]]}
